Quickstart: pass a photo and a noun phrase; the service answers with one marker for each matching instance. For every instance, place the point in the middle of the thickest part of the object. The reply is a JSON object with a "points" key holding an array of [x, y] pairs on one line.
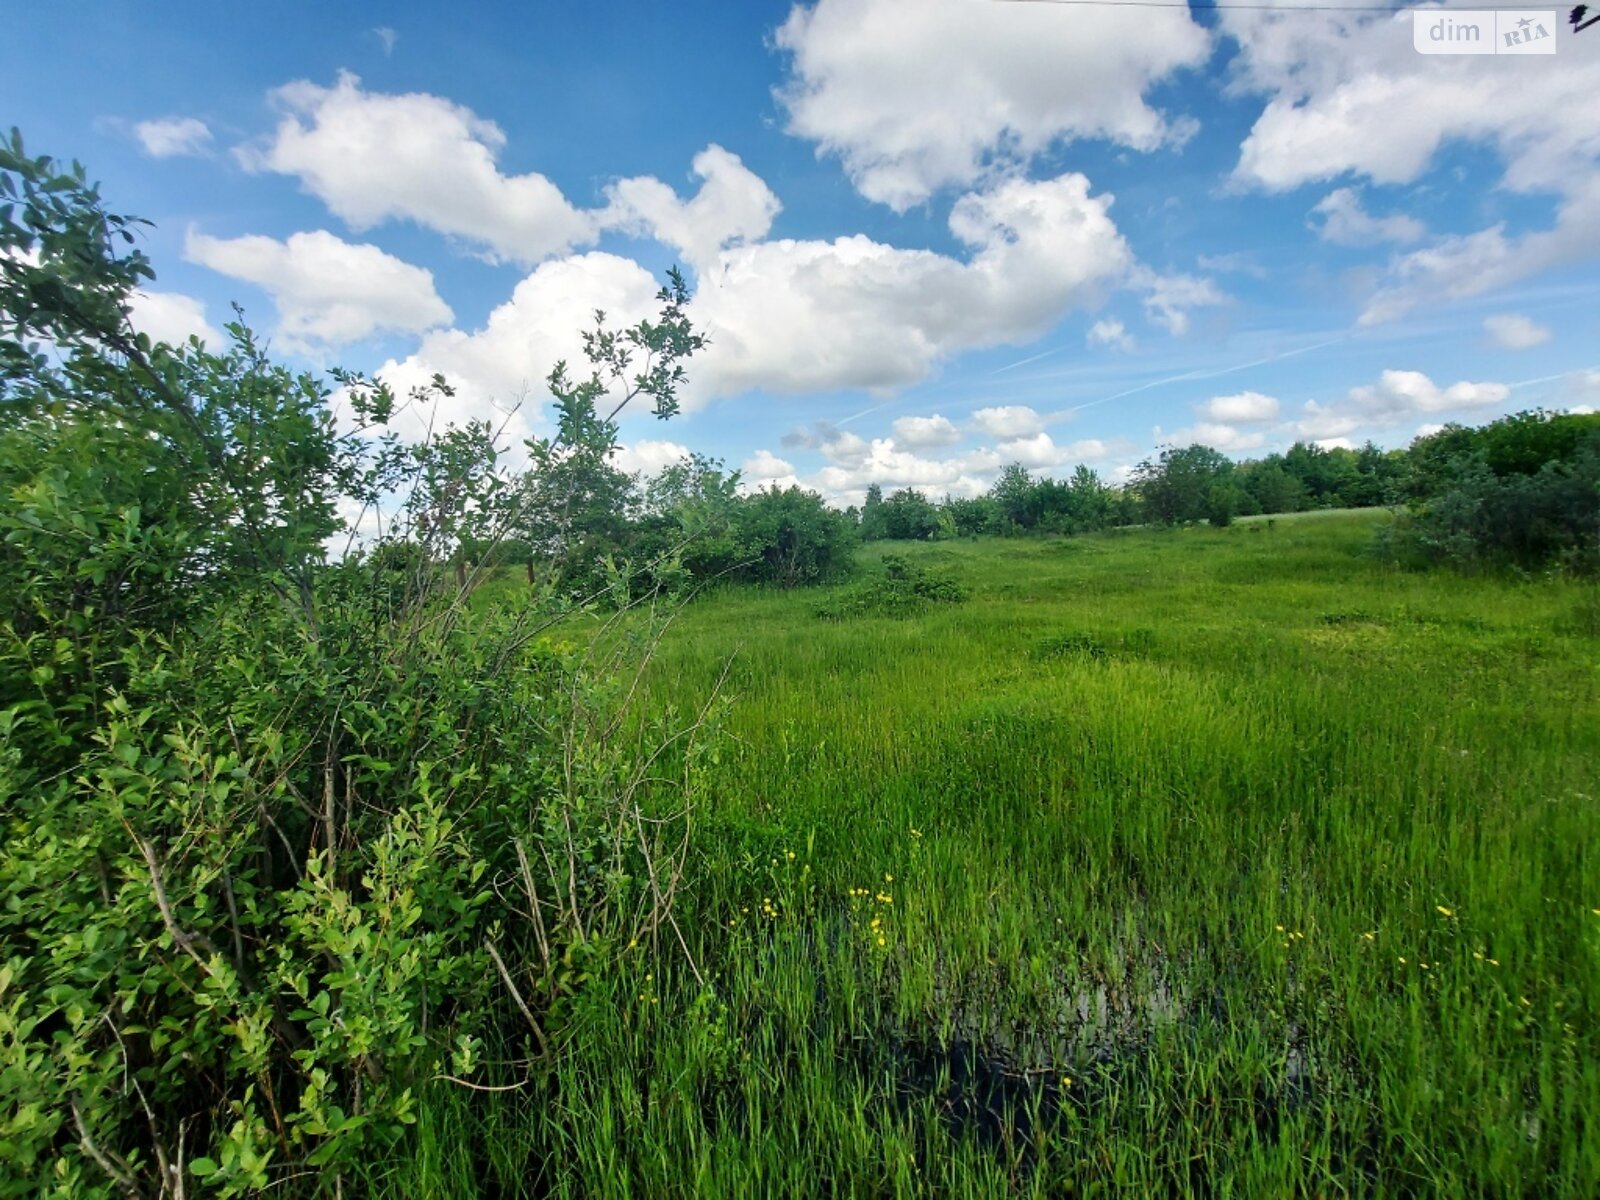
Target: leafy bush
{"points": [[903, 590], [1527, 521], [285, 840], [789, 536]]}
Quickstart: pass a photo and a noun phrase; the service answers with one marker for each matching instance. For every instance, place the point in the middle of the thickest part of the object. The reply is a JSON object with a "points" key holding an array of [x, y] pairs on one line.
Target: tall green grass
{"points": [[1209, 862]]}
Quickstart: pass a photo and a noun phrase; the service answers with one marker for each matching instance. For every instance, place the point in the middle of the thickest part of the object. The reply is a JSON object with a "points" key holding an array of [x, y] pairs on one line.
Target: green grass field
{"points": [[1207, 862]]}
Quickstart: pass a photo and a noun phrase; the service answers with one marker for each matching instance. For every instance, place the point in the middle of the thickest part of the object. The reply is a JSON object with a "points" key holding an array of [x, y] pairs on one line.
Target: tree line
{"points": [[1520, 490]]}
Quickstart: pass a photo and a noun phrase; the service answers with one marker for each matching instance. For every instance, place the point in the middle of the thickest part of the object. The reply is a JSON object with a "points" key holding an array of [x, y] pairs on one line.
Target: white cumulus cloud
{"points": [[1243, 407], [328, 292], [171, 137], [1398, 398], [732, 205], [497, 367], [1219, 435], [1008, 421], [372, 157], [1407, 392], [647, 456], [915, 95], [920, 432], [1345, 222], [172, 317], [764, 469], [799, 316]]}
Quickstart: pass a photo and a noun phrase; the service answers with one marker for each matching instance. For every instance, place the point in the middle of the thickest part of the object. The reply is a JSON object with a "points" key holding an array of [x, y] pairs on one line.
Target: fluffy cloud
{"points": [[1512, 331], [171, 137], [1347, 94], [1111, 333], [1041, 452], [495, 367], [172, 317], [914, 95], [1345, 222], [1243, 407], [801, 316], [919, 432], [1402, 393], [1008, 421], [852, 463], [882, 462], [372, 158], [647, 456], [732, 205], [1399, 397], [328, 292], [764, 469], [1036, 451], [782, 315]]}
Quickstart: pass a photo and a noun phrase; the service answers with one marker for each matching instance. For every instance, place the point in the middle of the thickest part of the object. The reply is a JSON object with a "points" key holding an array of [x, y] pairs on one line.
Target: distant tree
{"points": [[871, 524], [1273, 489], [1013, 494], [1089, 500], [972, 516], [909, 515], [1176, 485], [1522, 443]]}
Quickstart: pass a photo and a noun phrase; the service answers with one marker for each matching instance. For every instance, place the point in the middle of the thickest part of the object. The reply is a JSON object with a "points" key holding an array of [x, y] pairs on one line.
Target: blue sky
{"points": [[927, 237]]}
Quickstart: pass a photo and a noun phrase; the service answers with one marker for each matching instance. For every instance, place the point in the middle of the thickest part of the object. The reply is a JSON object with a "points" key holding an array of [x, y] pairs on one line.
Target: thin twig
{"points": [[499, 963]]}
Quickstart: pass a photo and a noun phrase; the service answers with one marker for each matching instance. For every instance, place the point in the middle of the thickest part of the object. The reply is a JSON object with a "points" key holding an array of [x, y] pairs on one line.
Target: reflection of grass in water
{"points": [[1200, 875]]}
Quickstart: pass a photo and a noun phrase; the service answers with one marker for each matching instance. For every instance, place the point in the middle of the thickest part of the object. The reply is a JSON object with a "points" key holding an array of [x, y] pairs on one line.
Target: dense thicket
{"points": [[287, 835]]}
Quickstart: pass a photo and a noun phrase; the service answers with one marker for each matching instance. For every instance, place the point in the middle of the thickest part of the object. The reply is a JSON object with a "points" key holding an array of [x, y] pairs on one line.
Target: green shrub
{"points": [[286, 840], [790, 537], [903, 590], [1550, 518]]}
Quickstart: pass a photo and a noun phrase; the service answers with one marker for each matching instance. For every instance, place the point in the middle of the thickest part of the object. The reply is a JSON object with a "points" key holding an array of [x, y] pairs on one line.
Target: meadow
{"points": [[1211, 862]]}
